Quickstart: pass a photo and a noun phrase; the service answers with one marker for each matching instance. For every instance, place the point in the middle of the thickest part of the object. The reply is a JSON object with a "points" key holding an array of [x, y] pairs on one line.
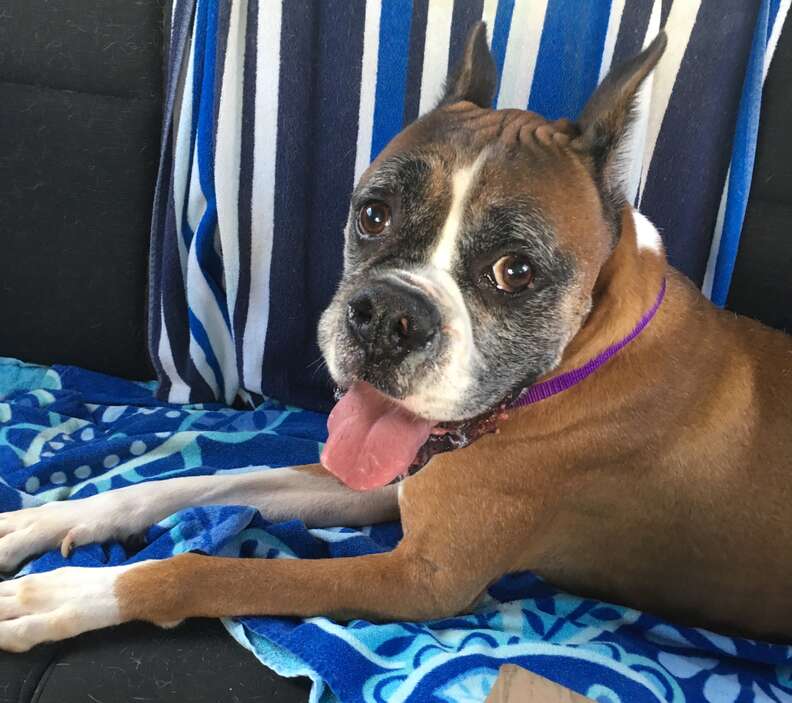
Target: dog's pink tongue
{"points": [[371, 439]]}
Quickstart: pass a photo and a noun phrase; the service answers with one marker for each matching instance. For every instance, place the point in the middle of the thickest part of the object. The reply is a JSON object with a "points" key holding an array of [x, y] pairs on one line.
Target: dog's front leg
{"points": [[306, 493], [398, 585]]}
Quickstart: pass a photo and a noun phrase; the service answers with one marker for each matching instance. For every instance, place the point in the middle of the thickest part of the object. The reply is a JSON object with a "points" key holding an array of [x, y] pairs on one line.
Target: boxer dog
{"points": [[609, 428]]}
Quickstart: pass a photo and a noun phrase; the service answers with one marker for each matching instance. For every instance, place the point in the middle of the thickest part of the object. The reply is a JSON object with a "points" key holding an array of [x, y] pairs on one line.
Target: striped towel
{"points": [[275, 107]]}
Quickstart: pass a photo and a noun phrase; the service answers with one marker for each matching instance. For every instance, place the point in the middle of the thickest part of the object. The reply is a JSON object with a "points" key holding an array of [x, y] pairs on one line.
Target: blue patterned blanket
{"points": [[67, 433]]}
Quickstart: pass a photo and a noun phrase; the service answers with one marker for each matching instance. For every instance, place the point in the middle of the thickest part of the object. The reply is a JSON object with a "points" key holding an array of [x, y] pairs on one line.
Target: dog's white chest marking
{"points": [[462, 181], [646, 235]]}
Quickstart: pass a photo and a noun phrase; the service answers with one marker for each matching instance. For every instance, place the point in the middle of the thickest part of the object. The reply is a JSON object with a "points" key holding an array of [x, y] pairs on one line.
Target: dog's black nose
{"points": [[390, 321]]}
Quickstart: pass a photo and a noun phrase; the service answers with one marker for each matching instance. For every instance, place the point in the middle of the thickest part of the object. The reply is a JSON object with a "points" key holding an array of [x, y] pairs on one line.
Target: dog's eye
{"points": [[373, 218], [512, 273]]}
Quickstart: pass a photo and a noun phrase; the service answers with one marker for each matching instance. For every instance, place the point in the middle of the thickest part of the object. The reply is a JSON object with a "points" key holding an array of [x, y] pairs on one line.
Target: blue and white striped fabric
{"points": [[275, 108]]}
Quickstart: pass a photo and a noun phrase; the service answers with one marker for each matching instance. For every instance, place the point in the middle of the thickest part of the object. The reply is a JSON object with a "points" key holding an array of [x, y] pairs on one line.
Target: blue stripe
{"points": [[394, 45], [500, 37], [206, 253], [198, 333], [204, 240], [570, 53], [743, 155]]}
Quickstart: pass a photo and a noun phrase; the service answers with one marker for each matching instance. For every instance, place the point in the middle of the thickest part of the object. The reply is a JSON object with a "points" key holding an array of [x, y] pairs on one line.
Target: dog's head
{"points": [[473, 244]]}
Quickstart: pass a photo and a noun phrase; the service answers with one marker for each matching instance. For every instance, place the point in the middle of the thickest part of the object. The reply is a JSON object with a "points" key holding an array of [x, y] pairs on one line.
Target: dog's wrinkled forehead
{"points": [[463, 165]]}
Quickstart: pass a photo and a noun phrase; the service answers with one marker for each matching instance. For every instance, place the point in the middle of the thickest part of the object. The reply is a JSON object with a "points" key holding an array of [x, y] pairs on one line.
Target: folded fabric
{"points": [[66, 433]]}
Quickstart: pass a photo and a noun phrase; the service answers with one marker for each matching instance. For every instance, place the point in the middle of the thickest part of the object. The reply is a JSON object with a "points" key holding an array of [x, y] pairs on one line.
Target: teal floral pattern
{"points": [[67, 433]]}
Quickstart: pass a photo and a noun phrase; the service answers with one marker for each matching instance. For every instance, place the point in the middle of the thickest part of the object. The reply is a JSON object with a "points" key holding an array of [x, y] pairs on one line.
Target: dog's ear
{"points": [[474, 78], [605, 121]]}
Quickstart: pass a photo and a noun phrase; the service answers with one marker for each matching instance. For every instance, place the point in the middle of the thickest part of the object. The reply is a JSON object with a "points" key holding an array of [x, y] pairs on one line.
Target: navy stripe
{"points": [[632, 30], [500, 37], [466, 13], [689, 164], [555, 94], [317, 137], [412, 93], [204, 244], [245, 202], [394, 46], [665, 8], [162, 211]]}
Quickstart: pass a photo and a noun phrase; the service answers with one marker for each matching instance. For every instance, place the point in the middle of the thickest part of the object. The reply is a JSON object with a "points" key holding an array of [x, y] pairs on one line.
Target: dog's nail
{"points": [[67, 546]]}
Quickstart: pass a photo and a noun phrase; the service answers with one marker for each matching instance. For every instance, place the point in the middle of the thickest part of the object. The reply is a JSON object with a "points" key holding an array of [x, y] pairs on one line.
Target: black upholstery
{"points": [[762, 283], [196, 662], [80, 106], [80, 94]]}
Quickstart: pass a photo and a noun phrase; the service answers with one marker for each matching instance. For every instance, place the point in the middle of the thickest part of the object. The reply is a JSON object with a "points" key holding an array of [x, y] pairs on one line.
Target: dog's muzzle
{"points": [[390, 321]]}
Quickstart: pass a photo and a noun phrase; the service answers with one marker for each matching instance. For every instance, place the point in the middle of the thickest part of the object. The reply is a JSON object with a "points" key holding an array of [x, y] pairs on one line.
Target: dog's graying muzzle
{"points": [[390, 321]]}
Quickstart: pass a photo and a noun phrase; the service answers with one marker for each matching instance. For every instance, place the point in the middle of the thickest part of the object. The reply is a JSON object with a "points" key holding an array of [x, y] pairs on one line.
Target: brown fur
{"points": [[661, 482]]}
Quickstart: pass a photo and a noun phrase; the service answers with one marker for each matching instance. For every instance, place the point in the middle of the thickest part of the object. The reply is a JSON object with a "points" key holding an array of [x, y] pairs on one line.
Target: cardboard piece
{"points": [[517, 685]]}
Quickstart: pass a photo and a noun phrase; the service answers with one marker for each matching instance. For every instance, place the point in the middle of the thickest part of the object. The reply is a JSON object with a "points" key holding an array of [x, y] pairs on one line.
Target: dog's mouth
{"points": [[373, 440]]}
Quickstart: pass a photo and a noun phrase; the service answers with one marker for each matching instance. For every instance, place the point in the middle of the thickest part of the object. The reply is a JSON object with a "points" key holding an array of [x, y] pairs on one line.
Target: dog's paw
{"points": [[57, 605], [68, 524]]}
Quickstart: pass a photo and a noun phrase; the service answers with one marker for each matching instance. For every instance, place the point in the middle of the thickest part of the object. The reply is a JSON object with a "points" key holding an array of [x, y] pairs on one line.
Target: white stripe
{"points": [[263, 205], [228, 150], [709, 274], [182, 157], [635, 141], [368, 86], [519, 63], [775, 33], [614, 22], [435, 59], [679, 26], [461, 182], [173, 16], [488, 14], [179, 391], [196, 200]]}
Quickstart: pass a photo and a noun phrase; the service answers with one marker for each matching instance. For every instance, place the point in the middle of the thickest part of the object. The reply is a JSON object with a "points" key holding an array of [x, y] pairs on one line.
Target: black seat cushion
{"points": [[80, 112], [197, 661]]}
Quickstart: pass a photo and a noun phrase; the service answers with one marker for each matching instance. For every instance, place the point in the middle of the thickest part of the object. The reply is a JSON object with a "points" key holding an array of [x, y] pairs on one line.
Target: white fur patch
{"points": [[279, 494], [646, 235], [58, 604], [461, 182], [441, 397]]}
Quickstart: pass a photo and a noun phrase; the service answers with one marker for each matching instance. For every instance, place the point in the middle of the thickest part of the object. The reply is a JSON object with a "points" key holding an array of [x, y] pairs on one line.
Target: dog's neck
{"points": [[627, 287]]}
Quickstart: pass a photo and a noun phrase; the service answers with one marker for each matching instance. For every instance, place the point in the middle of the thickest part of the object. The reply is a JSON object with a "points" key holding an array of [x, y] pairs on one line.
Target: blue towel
{"points": [[66, 433]]}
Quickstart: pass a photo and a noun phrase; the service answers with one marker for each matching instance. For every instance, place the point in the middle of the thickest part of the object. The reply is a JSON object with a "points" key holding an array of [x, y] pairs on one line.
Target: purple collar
{"points": [[558, 384]]}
